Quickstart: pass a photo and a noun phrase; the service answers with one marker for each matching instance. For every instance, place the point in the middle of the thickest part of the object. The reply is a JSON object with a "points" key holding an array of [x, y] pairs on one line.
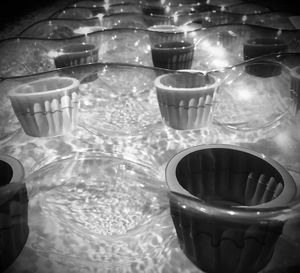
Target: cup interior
{"points": [[186, 80], [6, 173], [225, 176], [46, 85]]}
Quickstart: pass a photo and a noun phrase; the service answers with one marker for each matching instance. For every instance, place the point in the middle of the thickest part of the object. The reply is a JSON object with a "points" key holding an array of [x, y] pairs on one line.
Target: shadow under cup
{"points": [[173, 55], [219, 201]]}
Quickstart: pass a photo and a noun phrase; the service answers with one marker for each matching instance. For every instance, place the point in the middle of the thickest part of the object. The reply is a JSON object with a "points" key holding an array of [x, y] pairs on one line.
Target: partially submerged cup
{"points": [[219, 197], [46, 107], [173, 55], [185, 99], [13, 210], [76, 54]]}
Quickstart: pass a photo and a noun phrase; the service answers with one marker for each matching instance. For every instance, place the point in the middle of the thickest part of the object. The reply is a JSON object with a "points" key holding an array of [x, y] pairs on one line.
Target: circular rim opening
{"points": [[285, 196], [17, 169], [162, 81], [63, 84]]}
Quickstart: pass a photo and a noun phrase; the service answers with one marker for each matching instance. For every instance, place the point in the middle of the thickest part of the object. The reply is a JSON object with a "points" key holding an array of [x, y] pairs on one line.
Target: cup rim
{"points": [[286, 196], [159, 85], [18, 171], [73, 84]]}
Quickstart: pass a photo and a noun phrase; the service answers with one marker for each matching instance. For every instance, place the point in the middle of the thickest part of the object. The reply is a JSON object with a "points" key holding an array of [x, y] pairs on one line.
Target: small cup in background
{"points": [[14, 228], [185, 99], [46, 107], [259, 47], [76, 54], [223, 203], [174, 55]]}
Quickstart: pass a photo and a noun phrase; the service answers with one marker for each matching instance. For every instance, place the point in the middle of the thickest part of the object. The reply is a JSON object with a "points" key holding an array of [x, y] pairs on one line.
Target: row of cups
{"points": [[186, 99]]}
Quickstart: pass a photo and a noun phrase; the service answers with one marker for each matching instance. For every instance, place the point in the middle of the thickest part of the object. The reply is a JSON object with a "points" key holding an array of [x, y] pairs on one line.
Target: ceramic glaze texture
{"points": [[47, 107], [230, 177], [185, 100]]}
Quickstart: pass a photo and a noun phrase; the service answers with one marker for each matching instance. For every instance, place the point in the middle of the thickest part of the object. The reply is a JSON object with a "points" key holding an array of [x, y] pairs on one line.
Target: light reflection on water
{"points": [[108, 212]]}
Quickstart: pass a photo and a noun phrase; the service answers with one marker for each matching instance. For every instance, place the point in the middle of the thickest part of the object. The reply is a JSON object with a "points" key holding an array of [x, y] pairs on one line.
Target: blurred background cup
{"points": [[263, 46], [76, 54], [165, 33], [173, 55], [14, 228], [224, 202], [48, 106], [185, 99]]}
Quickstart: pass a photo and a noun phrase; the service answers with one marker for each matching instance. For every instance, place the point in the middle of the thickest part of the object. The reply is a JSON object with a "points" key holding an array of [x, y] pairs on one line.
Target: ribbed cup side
{"points": [[187, 105], [173, 59], [222, 246], [48, 117], [188, 114], [69, 60]]}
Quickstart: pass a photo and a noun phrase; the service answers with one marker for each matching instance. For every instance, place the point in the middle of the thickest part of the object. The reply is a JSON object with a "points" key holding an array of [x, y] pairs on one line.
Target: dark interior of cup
{"points": [[187, 80], [173, 45], [6, 173], [229, 177], [76, 48]]}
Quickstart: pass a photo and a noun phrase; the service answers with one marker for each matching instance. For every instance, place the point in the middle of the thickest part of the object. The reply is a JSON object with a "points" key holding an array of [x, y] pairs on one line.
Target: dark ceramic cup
{"points": [[259, 47], [14, 228], [220, 199], [76, 54], [173, 55]]}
